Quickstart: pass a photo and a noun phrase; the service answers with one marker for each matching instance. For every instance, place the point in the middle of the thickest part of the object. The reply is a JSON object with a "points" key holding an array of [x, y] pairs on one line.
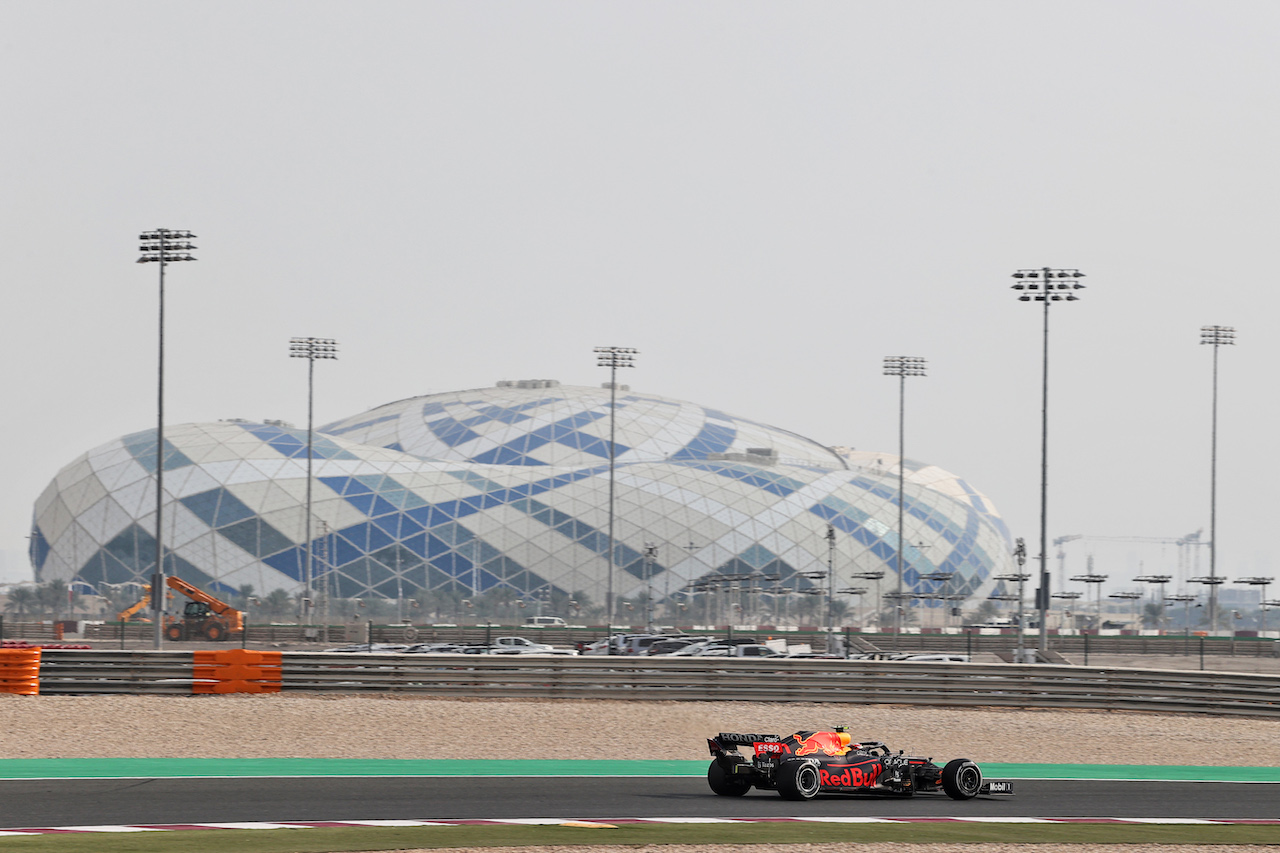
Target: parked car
{"points": [[522, 646], [624, 644], [941, 657], [740, 650], [385, 648], [674, 644]]}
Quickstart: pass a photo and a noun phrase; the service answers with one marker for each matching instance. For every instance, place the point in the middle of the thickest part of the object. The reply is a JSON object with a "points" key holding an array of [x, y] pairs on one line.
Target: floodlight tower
{"points": [[650, 557], [613, 358], [162, 246], [1129, 597], [1262, 599], [877, 577], [1020, 556], [1097, 580], [1159, 580], [312, 349], [1214, 336], [1185, 600], [1045, 284], [902, 366]]}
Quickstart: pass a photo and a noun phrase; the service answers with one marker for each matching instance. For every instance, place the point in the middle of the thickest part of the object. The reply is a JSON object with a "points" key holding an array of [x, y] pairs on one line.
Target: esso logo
{"points": [[768, 748]]}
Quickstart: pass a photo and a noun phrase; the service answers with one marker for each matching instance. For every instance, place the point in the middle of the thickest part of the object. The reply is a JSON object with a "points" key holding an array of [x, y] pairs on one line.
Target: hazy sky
{"points": [[764, 198]]}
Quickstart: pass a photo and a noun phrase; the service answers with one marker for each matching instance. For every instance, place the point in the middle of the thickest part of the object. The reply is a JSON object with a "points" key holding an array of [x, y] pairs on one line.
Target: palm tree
{"points": [[496, 603], [53, 596], [244, 592], [277, 603], [986, 611], [582, 607], [21, 599]]}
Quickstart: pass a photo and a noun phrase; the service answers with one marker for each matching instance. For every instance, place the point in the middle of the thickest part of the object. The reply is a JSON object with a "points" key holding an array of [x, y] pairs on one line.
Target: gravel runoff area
{"points": [[311, 726], [308, 726]]}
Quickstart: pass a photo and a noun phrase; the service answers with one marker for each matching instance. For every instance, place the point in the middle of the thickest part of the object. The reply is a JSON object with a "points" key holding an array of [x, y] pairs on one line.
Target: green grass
{"points": [[331, 840]]}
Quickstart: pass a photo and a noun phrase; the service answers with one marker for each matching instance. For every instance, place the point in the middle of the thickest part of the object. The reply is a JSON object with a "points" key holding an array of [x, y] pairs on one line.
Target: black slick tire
{"points": [[726, 784], [961, 779], [798, 780]]}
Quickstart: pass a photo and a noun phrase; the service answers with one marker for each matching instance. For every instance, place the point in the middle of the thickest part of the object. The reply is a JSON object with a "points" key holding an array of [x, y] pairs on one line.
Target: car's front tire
{"points": [[961, 779], [798, 780], [726, 784]]}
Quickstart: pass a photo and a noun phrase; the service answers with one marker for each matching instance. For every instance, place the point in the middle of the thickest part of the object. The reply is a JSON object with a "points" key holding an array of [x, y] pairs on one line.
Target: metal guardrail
{"points": [[694, 679], [67, 671], [973, 642]]}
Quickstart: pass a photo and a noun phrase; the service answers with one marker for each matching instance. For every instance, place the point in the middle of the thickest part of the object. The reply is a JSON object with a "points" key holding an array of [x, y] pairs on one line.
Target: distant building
{"points": [[508, 486]]}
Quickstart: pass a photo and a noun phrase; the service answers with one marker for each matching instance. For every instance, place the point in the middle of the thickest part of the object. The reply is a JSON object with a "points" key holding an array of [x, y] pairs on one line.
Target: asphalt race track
{"points": [[68, 802]]}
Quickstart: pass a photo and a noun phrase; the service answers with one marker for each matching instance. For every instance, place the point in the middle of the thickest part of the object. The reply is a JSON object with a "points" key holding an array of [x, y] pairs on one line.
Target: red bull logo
{"points": [[830, 743], [849, 777]]}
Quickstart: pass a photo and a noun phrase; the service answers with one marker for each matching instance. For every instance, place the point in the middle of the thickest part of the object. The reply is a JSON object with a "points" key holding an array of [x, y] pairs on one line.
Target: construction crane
{"points": [[1183, 543], [137, 607], [203, 617]]}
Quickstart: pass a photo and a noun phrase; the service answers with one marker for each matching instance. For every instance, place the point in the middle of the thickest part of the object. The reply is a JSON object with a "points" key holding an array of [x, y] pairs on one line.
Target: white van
{"points": [[544, 622]]}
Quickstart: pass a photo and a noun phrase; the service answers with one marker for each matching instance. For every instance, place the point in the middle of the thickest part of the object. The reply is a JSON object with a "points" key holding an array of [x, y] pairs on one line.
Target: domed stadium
{"points": [[507, 488]]}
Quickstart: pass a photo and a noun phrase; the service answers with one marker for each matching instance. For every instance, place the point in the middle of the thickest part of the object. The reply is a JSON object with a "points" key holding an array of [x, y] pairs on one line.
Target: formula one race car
{"points": [[805, 764]]}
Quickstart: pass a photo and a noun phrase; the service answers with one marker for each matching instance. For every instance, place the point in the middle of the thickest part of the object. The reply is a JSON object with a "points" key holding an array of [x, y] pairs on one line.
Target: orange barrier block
{"points": [[236, 671], [20, 671], [237, 687]]}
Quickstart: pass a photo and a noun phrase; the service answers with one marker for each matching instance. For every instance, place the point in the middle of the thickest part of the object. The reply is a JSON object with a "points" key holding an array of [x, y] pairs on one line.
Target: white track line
{"points": [[254, 825]]}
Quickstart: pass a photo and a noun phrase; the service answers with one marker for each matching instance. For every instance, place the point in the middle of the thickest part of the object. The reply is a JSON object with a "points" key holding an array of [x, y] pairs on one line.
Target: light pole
{"points": [[1130, 597], [901, 366], [831, 584], [612, 358], [162, 246], [650, 557], [1186, 617], [1214, 336], [312, 349], [939, 592], [1066, 619], [877, 577], [1092, 578], [1262, 600], [1045, 284], [1020, 555], [1159, 580]]}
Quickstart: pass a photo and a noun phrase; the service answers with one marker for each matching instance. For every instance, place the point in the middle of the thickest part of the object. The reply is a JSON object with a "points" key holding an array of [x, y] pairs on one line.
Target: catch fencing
{"points": [[64, 672]]}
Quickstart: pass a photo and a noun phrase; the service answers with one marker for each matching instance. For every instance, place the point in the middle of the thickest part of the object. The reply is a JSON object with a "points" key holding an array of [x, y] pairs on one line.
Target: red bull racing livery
{"points": [[805, 764]]}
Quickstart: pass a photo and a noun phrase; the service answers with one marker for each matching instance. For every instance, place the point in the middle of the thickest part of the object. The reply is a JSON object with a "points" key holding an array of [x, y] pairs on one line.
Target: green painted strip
{"points": [[34, 768], [154, 768], [1132, 772]]}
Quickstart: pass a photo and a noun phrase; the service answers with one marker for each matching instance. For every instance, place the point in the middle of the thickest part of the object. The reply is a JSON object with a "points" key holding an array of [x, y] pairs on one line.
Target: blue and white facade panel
{"points": [[508, 487]]}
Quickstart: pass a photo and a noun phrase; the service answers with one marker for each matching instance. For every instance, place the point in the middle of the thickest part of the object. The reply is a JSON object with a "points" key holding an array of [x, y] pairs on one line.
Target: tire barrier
{"points": [[20, 671], [236, 671]]}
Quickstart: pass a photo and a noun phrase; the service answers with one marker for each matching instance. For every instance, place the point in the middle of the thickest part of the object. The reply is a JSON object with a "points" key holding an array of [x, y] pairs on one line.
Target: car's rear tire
{"points": [[726, 784], [961, 779], [798, 780]]}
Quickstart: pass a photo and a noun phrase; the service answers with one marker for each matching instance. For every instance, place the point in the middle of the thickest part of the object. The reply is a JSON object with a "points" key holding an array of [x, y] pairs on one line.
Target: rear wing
{"points": [[730, 741]]}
